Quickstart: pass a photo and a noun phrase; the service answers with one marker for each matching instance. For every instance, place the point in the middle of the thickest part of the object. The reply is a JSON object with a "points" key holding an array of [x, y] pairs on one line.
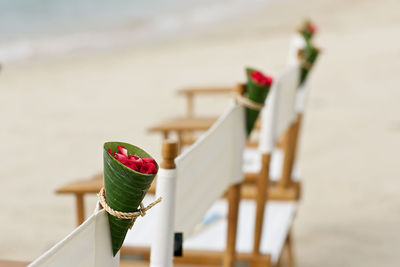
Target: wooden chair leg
{"points": [[233, 214], [189, 106], [180, 141], [261, 198], [289, 250], [80, 208], [260, 261], [288, 158], [166, 135]]}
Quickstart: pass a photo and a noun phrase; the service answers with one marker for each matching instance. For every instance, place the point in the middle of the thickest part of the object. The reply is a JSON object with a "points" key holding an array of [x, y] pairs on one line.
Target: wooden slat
{"points": [[184, 124], [92, 185], [288, 159], [207, 91], [199, 256], [274, 193], [248, 189], [251, 178], [8, 263], [128, 263], [261, 198], [80, 208], [233, 196], [187, 124]]}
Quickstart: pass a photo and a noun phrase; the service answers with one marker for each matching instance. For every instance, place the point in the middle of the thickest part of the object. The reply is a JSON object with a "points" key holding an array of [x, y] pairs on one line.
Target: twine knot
{"points": [[125, 215], [244, 101], [306, 65]]}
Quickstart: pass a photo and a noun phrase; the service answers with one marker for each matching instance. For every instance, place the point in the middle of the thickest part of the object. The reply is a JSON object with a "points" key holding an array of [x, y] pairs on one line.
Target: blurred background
{"points": [[78, 73]]}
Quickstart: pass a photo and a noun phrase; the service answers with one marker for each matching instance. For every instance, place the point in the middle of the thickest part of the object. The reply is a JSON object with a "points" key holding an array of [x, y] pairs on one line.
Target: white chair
{"points": [[273, 223], [261, 236], [283, 169], [190, 185], [89, 245]]}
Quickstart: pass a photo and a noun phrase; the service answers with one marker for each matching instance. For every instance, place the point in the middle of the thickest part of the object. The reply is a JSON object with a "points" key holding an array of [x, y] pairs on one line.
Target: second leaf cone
{"points": [[257, 90]]}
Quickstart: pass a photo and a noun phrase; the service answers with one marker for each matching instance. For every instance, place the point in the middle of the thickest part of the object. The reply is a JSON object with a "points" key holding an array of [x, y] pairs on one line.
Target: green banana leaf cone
{"points": [[308, 56], [307, 30], [125, 189], [256, 93]]}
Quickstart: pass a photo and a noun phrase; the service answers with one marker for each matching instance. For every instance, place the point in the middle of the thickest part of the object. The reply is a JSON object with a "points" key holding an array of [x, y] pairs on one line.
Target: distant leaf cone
{"points": [[307, 30], [128, 174], [257, 89], [307, 56]]}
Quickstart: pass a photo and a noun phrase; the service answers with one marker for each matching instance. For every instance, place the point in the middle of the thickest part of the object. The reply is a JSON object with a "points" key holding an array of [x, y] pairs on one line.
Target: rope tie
{"points": [[125, 215], [244, 101], [306, 65]]}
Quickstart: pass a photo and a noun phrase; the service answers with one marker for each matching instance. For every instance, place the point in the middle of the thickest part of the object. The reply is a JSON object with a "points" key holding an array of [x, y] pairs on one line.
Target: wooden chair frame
{"points": [[286, 189], [9, 263], [255, 258], [259, 182], [226, 258]]}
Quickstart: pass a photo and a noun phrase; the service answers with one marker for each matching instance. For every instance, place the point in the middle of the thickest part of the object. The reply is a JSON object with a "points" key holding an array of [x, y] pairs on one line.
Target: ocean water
{"points": [[30, 28]]}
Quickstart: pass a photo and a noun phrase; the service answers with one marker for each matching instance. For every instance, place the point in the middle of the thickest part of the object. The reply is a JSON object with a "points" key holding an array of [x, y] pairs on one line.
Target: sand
{"points": [[56, 113]]}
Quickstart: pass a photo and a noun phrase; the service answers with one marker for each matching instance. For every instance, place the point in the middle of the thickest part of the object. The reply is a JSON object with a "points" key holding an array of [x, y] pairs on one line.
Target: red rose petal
{"points": [[311, 28], [148, 168], [132, 166], [122, 150], [261, 79], [138, 162], [143, 165], [269, 80], [121, 158], [149, 160]]}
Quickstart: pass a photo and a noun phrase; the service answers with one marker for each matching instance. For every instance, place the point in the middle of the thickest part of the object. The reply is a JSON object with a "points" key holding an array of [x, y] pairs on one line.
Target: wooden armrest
{"points": [[188, 124], [152, 189], [7, 263], [251, 177], [206, 91], [184, 124], [92, 185], [249, 191]]}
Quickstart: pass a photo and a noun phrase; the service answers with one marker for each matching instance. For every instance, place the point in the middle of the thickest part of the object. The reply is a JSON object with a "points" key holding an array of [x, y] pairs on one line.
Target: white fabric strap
{"points": [[89, 245], [301, 98], [268, 122], [163, 232], [209, 167], [279, 111], [296, 44]]}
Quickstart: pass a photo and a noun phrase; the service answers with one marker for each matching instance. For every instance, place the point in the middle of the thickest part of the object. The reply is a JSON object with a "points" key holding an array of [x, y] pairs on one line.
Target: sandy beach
{"points": [[56, 113]]}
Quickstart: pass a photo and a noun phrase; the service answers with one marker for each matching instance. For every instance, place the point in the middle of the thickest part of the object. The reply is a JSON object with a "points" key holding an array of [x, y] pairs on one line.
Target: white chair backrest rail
{"points": [[202, 174]]}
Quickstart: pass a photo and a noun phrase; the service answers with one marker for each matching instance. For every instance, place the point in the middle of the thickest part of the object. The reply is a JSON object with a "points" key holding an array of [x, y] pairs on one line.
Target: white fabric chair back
{"points": [[209, 167], [301, 98], [296, 44], [203, 173], [279, 110], [89, 245]]}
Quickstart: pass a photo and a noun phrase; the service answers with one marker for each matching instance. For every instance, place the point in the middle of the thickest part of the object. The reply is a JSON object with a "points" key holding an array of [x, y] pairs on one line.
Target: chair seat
{"points": [[211, 233], [252, 164]]}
